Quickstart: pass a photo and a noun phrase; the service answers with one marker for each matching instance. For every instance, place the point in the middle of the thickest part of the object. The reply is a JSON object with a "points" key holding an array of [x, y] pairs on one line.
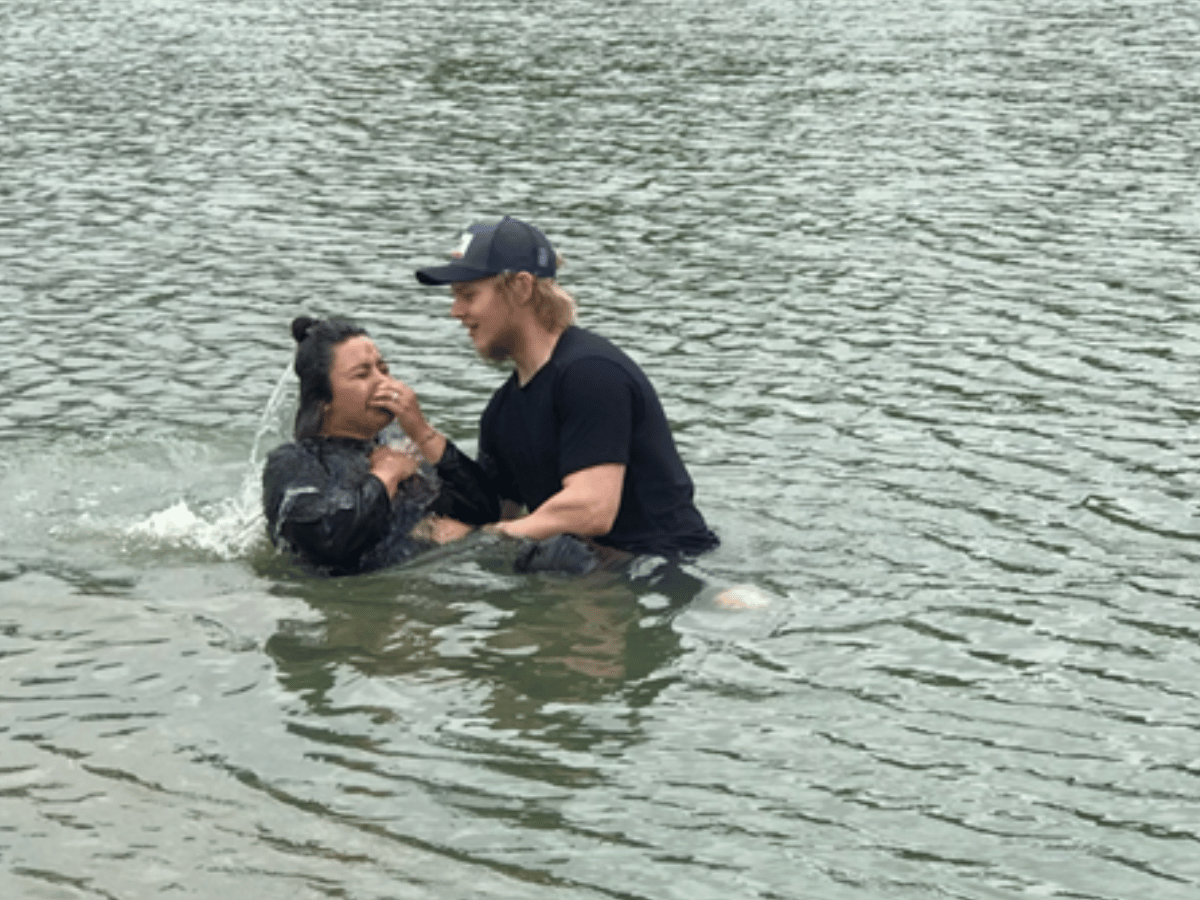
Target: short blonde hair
{"points": [[552, 306]]}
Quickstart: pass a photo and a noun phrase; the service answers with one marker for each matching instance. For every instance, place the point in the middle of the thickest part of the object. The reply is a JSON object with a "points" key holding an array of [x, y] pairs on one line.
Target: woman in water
{"points": [[339, 497]]}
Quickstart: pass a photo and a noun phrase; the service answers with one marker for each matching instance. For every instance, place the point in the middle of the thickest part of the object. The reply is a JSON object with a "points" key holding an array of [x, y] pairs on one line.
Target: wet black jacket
{"points": [[321, 500]]}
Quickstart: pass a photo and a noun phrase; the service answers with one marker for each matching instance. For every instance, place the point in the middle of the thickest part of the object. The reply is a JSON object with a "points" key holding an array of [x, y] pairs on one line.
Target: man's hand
{"points": [[401, 401]]}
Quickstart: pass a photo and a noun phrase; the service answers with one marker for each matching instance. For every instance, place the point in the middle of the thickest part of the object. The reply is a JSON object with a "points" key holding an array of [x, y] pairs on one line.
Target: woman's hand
{"points": [[392, 466]]}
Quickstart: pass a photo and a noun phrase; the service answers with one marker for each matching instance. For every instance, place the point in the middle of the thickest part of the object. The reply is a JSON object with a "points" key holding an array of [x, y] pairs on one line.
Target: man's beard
{"points": [[499, 350], [495, 354]]}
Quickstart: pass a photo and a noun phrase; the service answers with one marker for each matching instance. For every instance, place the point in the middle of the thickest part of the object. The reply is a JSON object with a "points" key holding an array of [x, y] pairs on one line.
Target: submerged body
{"points": [[591, 405], [338, 496], [323, 503], [577, 436]]}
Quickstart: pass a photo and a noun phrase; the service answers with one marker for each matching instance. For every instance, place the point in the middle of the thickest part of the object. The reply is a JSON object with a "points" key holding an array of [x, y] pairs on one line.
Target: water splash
{"points": [[228, 529], [232, 527], [275, 422]]}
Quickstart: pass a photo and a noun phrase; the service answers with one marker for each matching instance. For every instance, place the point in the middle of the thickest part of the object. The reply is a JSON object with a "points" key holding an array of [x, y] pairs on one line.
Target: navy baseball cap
{"points": [[489, 248]]}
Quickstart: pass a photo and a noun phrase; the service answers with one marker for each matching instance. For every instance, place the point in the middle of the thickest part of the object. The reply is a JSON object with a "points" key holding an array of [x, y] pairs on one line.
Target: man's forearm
{"points": [[559, 515], [586, 506]]}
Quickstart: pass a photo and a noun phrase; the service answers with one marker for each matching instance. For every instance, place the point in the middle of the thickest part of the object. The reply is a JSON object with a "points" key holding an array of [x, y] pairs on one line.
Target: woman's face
{"points": [[356, 376]]}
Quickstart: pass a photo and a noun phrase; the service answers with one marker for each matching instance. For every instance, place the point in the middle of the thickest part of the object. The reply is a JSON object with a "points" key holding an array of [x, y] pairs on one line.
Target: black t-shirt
{"points": [[590, 405]]}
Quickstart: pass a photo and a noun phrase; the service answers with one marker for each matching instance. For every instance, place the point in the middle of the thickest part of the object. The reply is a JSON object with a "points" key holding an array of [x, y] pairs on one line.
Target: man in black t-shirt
{"points": [[577, 434]]}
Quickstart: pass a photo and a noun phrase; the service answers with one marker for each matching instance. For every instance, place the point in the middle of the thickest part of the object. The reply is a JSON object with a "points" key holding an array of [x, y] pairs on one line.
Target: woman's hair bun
{"points": [[301, 326]]}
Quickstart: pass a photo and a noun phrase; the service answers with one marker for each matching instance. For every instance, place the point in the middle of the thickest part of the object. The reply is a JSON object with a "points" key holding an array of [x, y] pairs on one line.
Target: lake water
{"points": [[917, 281]]}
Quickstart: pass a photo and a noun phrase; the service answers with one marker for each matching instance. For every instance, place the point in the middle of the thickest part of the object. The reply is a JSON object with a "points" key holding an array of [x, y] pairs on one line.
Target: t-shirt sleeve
{"points": [[467, 492], [596, 402]]}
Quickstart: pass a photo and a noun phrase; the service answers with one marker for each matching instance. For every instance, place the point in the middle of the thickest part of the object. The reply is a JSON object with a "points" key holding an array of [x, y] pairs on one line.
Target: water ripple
{"points": [[915, 283]]}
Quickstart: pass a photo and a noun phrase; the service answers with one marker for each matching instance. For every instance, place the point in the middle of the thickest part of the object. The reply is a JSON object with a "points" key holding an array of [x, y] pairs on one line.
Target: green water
{"points": [[917, 282]]}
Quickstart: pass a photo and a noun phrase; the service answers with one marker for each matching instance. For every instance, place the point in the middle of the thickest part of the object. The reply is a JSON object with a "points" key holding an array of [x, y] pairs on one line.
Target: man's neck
{"points": [[536, 348]]}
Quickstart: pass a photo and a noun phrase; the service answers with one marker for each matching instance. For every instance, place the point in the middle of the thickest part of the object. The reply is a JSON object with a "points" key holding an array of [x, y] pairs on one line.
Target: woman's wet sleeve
{"points": [[467, 492], [331, 522]]}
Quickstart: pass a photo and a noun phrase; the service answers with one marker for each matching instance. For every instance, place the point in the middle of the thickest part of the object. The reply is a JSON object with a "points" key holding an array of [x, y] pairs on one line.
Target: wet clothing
{"points": [[321, 500], [589, 405]]}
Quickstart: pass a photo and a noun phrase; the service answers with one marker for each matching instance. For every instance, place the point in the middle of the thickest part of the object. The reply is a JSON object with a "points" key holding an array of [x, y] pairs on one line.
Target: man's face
{"points": [[488, 315]]}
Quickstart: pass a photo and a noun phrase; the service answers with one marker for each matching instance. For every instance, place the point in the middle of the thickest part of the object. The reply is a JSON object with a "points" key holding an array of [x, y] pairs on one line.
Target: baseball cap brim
{"points": [[449, 274]]}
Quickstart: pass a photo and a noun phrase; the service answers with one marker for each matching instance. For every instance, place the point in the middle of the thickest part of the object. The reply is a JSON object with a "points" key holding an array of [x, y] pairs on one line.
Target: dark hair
{"points": [[315, 343]]}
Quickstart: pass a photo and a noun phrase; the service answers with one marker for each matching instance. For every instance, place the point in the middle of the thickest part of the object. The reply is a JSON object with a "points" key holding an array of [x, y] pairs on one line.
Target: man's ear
{"points": [[522, 284]]}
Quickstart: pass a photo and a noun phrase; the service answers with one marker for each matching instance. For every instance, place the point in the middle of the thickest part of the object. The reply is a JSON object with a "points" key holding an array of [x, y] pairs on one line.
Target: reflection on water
{"points": [[916, 282], [567, 643], [532, 639]]}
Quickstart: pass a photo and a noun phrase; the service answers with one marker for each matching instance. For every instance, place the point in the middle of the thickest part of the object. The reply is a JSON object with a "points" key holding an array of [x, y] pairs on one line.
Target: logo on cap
{"points": [[464, 243]]}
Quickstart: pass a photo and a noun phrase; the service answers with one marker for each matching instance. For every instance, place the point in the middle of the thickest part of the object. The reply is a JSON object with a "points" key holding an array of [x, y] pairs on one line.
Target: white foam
{"points": [[228, 529]]}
